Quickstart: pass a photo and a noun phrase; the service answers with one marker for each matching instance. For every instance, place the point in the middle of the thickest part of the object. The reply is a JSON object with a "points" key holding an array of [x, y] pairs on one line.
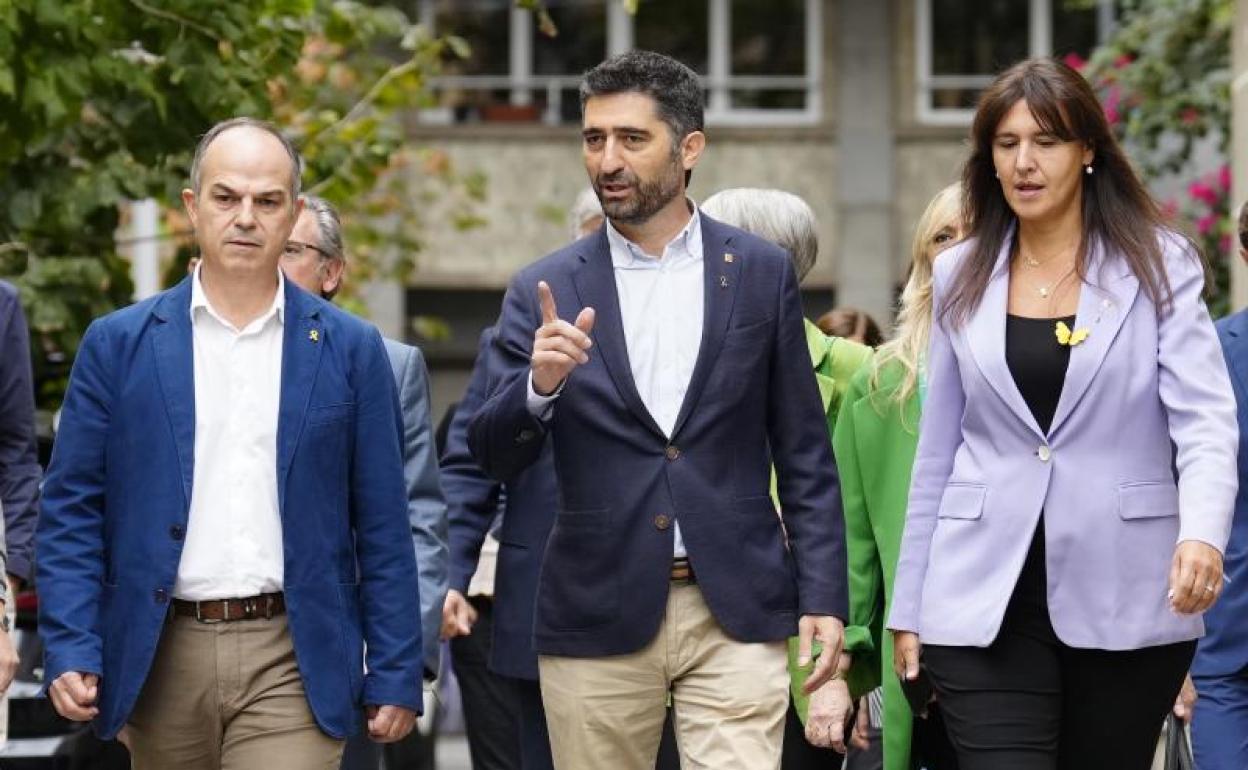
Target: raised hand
{"points": [[558, 346]]}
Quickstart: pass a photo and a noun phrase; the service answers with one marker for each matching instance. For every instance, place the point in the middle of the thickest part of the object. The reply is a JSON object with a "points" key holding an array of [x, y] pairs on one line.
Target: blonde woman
{"points": [[875, 439]]}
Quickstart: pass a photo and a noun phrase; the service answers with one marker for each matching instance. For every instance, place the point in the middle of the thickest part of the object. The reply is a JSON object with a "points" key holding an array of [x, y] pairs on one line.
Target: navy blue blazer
{"points": [[1224, 649], [605, 576], [118, 491], [529, 513], [19, 451]]}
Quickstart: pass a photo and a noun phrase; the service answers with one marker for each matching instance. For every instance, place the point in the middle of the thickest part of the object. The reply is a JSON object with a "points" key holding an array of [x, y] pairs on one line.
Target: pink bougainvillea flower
{"points": [[1123, 60], [1205, 224], [1202, 192], [1074, 61], [1189, 116], [1224, 243], [1224, 177], [1170, 208]]}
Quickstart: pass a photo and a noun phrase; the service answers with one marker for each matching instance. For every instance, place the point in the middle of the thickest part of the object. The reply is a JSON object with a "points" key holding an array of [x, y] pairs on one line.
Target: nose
{"points": [[1024, 161], [612, 159], [246, 218]]}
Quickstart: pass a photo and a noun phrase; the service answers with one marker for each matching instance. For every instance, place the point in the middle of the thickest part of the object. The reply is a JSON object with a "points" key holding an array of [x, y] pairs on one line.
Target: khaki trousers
{"points": [[227, 696], [729, 698]]}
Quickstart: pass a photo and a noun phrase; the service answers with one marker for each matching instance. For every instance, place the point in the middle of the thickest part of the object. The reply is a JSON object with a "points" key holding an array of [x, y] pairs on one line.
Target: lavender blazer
{"points": [[1146, 399]]}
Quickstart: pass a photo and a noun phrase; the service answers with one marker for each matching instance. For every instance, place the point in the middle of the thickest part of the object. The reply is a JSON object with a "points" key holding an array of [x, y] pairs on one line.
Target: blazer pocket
{"points": [[751, 333], [962, 501], [319, 415], [1148, 500]]}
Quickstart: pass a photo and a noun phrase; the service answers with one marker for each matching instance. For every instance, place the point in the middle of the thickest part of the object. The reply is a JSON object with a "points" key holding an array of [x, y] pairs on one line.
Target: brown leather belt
{"points": [[682, 571], [223, 610]]}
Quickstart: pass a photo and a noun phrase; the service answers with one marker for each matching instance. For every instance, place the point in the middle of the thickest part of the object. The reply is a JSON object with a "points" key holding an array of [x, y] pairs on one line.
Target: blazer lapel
{"points": [[986, 339], [175, 373], [303, 339], [1103, 306], [595, 287], [1237, 348], [720, 279]]}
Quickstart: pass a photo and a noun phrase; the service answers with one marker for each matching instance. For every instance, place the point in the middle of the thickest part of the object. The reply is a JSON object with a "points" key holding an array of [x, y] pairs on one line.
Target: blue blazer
{"points": [[118, 491], [752, 400], [1224, 649], [426, 510], [19, 451], [529, 513]]}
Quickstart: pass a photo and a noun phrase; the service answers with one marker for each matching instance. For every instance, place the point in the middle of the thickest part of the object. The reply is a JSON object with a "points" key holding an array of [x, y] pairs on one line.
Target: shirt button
{"points": [[672, 453], [662, 522], [177, 532], [160, 595], [1044, 453]]}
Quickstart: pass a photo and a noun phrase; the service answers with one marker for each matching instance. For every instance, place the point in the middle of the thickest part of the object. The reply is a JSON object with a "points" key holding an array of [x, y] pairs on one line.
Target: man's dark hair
{"points": [[1243, 225], [674, 87]]}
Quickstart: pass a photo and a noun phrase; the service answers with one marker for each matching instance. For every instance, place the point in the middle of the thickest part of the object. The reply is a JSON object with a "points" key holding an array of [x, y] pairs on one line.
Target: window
{"points": [[761, 60], [962, 44]]}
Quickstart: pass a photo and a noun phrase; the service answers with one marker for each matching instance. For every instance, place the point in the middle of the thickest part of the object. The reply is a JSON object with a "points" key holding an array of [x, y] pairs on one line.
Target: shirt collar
{"points": [[687, 243], [199, 299]]}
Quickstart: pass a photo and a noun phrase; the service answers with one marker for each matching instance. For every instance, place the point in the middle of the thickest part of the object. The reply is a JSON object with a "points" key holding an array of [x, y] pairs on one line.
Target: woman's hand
{"points": [[906, 649], [1195, 577]]}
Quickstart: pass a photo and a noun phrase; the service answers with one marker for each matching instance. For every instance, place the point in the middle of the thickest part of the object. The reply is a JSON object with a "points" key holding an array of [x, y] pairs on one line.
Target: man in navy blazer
{"points": [[675, 377], [224, 524], [19, 452], [1220, 670]]}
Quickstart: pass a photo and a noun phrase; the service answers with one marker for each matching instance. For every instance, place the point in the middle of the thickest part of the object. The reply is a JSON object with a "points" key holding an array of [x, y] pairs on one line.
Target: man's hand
{"points": [[830, 710], [1195, 577], [558, 346], [830, 632], [906, 649], [1186, 702], [387, 724], [73, 695], [8, 658], [860, 738], [458, 616]]}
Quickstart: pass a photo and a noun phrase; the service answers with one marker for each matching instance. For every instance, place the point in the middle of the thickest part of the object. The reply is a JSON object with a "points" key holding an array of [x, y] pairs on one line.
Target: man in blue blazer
{"points": [[679, 376], [19, 452], [224, 525], [315, 260], [1220, 670]]}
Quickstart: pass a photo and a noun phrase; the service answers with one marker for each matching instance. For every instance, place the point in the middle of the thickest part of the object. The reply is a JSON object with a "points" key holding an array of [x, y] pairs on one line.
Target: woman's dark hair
{"points": [[852, 324], [1118, 212]]}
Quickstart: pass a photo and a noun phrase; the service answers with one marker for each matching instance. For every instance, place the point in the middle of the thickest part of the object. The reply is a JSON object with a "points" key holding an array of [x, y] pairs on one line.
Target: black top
{"points": [[1038, 362]]}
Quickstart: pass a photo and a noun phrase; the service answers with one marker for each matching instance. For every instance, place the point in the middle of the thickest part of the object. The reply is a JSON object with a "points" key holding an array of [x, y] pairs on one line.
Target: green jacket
{"points": [[835, 360], [875, 442]]}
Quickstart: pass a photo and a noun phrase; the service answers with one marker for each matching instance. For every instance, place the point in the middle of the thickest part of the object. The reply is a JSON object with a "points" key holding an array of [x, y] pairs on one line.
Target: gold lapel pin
{"points": [[728, 258], [314, 335]]}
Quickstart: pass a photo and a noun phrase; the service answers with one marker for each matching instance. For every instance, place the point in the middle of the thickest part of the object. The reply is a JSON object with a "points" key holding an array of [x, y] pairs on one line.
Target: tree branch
{"points": [[168, 16], [390, 75]]}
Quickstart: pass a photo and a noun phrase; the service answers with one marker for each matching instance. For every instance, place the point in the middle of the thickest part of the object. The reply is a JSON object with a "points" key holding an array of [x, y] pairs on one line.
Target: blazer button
{"points": [[1044, 453], [176, 532], [160, 595], [672, 453], [662, 522]]}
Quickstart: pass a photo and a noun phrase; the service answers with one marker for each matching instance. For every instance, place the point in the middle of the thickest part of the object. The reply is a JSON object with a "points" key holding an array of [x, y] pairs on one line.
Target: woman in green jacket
{"points": [[875, 439]]}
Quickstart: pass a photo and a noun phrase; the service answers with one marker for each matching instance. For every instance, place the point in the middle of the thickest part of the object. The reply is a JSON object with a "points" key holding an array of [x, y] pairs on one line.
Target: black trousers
{"points": [[798, 753], [1030, 702], [491, 705]]}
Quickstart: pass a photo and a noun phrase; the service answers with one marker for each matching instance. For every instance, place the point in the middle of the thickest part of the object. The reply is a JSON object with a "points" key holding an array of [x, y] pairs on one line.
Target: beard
{"points": [[648, 198]]}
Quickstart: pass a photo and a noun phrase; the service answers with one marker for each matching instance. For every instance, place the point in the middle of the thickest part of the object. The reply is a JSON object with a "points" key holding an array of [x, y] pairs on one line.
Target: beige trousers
{"points": [[729, 698], [227, 696]]}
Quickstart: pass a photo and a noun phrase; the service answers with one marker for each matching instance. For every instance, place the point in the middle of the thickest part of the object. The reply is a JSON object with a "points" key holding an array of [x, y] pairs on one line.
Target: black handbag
{"points": [[1178, 752]]}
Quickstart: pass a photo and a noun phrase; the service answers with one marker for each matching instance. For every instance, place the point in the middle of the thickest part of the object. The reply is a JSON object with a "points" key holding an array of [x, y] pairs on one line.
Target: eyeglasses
{"points": [[296, 250]]}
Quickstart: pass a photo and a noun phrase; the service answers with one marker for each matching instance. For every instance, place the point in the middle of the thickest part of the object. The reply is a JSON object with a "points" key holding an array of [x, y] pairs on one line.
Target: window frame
{"points": [[719, 81], [1039, 43]]}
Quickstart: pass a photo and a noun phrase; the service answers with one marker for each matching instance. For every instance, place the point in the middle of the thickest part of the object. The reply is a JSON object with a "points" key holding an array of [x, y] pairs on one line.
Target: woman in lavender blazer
{"points": [[1075, 475]]}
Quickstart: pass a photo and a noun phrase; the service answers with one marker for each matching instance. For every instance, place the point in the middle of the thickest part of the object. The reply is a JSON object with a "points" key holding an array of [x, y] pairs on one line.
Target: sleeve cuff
{"points": [[541, 406]]}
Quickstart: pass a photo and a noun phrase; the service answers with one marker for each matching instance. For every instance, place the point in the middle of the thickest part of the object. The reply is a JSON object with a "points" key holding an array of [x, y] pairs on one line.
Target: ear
{"points": [[1089, 155], [691, 149], [331, 279], [188, 202]]}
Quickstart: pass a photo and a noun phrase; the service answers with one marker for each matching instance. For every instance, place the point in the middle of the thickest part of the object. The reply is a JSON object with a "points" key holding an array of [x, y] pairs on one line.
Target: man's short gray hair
{"points": [[774, 215], [584, 208], [328, 227], [296, 161]]}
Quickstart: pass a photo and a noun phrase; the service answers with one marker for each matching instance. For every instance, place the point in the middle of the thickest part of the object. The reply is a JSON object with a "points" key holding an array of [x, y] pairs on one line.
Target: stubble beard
{"points": [[649, 198]]}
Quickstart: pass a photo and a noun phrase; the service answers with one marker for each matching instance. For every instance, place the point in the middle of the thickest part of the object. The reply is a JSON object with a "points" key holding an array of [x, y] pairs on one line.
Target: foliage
{"points": [[102, 101], [1164, 78]]}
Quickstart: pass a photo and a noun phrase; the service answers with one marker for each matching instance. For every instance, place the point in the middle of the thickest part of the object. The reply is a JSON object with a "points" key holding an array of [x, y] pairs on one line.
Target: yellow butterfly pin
{"points": [[1066, 337], [314, 335]]}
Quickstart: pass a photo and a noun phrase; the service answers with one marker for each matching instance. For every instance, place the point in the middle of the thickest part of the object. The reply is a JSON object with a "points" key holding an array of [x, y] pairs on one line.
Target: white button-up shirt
{"points": [[233, 542], [661, 307]]}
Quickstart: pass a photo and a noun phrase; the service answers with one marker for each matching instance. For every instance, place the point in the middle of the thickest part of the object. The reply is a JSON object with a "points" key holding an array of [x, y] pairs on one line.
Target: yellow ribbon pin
{"points": [[314, 335], [1066, 337]]}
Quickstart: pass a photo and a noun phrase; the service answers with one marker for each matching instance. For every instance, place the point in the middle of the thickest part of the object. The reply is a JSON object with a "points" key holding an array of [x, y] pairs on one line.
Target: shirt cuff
{"points": [[541, 406]]}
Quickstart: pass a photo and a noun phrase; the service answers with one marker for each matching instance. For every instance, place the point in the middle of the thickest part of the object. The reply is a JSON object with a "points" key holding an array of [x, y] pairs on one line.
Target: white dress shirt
{"points": [[661, 306], [233, 545]]}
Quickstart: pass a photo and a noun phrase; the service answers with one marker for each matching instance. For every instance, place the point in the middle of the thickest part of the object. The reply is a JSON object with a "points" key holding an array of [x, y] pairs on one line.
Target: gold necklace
{"points": [[1047, 289], [1033, 263]]}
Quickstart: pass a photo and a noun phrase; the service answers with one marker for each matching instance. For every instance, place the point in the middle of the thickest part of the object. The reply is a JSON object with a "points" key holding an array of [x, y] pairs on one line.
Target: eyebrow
{"points": [[617, 130], [276, 192]]}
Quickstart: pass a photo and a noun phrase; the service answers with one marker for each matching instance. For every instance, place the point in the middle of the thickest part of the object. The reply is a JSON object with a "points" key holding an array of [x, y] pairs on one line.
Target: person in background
{"points": [[1220, 670], [1075, 475], [315, 260], [788, 221], [874, 443], [852, 324]]}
